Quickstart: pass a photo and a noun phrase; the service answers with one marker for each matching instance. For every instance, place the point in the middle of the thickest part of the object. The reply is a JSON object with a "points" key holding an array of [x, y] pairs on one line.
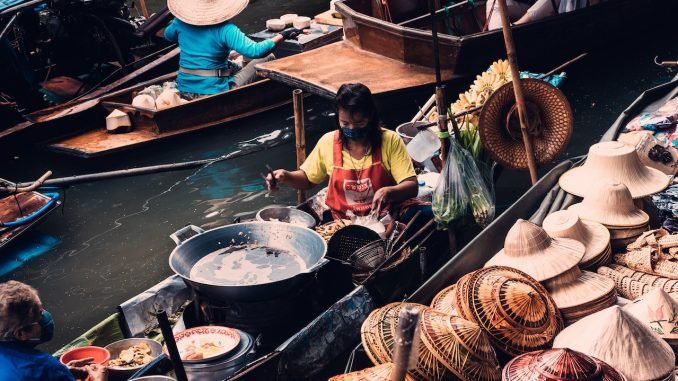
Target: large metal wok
{"points": [[306, 243]]}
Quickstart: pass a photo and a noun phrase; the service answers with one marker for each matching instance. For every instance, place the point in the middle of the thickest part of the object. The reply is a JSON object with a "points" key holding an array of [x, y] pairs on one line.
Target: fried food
{"points": [[132, 357], [327, 230]]}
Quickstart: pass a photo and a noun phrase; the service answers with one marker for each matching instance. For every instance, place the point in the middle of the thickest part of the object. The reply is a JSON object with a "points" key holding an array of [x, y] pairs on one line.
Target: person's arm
{"points": [[539, 10], [171, 33], [405, 190], [237, 40], [293, 179]]}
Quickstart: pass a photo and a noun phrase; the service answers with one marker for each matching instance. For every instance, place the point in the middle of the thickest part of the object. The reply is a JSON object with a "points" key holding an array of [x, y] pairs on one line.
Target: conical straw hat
{"points": [[622, 341], [577, 288], [206, 12], [377, 373], [463, 347], [616, 161], [609, 202], [658, 311], [514, 309], [530, 249], [558, 365], [566, 224], [446, 300]]}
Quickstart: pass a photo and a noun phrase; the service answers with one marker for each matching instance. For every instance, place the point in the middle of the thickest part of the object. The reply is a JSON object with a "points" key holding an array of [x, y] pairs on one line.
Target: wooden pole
{"points": [[299, 134], [144, 9], [405, 353], [517, 89]]}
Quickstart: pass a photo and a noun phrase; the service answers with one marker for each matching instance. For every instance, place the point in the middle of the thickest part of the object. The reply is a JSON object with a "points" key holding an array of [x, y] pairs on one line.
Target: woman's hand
{"points": [[273, 182], [97, 372], [382, 197], [78, 368]]}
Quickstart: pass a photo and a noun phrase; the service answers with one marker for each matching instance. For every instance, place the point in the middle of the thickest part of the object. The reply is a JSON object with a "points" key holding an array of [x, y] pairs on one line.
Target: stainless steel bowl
{"points": [[120, 345], [288, 215]]}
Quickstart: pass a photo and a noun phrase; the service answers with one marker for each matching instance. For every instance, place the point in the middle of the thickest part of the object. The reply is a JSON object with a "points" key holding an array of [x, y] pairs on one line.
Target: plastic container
{"points": [[100, 355], [423, 146]]}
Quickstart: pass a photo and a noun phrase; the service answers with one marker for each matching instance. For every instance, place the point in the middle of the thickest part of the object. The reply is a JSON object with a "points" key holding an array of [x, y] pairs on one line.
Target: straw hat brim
{"points": [[598, 240], [577, 181], [586, 288], [556, 117], [559, 257], [206, 12], [635, 218]]}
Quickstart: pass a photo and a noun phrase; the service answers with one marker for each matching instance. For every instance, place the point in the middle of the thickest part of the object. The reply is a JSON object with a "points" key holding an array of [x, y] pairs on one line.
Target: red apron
{"points": [[353, 190]]}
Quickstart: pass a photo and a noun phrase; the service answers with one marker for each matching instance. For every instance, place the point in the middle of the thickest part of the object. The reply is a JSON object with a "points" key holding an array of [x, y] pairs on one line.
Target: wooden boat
{"points": [[20, 213], [391, 56]]}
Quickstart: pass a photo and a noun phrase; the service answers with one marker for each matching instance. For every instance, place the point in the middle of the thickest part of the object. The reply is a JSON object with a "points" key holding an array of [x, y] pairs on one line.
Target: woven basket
{"points": [[558, 365], [445, 300], [349, 239], [377, 373]]}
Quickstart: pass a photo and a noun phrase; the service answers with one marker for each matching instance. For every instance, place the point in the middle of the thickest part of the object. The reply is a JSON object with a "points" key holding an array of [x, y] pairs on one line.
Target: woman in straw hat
{"points": [[206, 37]]}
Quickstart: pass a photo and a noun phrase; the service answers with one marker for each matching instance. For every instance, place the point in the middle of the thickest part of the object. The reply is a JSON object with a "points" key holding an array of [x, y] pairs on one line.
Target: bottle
{"points": [[425, 193]]}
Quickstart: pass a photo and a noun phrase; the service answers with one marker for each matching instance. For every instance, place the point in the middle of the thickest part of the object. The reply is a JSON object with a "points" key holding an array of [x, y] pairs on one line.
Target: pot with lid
{"points": [[249, 261]]}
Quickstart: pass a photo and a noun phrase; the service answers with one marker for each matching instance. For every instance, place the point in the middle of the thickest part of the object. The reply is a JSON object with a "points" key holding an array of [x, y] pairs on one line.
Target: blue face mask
{"points": [[354, 133], [46, 324]]}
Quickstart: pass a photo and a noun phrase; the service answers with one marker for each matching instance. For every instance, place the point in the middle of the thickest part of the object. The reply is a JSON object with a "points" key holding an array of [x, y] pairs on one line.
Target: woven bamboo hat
{"points": [[566, 224], [377, 373], [516, 310], [530, 249], [616, 161], [580, 293], [622, 341], [446, 300], [659, 311], [463, 347], [206, 12], [558, 365], [550, 124], [610, 203]]}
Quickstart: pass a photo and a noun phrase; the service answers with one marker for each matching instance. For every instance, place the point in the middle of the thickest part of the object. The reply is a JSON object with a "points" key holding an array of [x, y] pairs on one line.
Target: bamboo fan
{"points": [[610, 203], [461, 346], [558, 365], [594, 236], [624, 342], [616, 161], [377, 373], [643, 260], [445, 300], [513, 308], [530, 249], [659, 312], [666, 284], [626, 287]]}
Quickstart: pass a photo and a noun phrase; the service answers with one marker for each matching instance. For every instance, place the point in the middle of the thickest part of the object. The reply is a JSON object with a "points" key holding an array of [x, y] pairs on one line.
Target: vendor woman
{"points": [[368, 166]]}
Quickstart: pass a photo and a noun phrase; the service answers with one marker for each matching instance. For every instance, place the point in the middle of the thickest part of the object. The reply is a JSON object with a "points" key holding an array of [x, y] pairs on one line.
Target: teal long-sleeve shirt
{"points": [[207, 47]]}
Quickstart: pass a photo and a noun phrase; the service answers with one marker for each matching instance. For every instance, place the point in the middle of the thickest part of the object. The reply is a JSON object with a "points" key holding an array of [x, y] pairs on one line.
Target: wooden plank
{"points": [[322, 71], [29, 203], [328, 18]]}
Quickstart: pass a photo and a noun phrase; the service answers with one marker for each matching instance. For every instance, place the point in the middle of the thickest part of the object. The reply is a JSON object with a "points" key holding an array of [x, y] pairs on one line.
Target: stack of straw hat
{"points": [[659, 312], [377, 373], [617, 161], [594, 236], [517, 311], [622, 341], [452, 349], [530, 249], [609, 202], [558, 365]]}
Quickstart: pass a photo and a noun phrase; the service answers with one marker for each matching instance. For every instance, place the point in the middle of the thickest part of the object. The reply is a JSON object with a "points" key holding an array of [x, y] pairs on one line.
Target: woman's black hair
{"points": [[357, 98]]}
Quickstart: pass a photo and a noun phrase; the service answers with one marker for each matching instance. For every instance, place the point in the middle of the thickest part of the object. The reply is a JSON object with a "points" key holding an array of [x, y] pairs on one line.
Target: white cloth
{"points": [[516, 10]]}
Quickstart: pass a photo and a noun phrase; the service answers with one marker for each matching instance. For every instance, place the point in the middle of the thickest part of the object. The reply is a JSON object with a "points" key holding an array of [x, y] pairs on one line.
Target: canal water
{"points": [[110, 241]]}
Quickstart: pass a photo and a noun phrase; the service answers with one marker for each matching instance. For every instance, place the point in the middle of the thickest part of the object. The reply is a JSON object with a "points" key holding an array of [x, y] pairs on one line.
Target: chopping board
{"points": [[327, 18]]}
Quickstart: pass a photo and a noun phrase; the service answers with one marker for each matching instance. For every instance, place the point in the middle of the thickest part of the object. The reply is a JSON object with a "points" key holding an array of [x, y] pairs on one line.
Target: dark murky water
{"points": [[110, 240]]}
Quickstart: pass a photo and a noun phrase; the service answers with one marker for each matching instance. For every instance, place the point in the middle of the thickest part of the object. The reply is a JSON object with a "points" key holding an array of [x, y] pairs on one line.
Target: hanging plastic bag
{"points": [[481, 197], [450, 198]]}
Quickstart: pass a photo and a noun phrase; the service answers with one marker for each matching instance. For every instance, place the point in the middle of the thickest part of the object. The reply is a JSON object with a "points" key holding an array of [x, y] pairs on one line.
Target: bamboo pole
{"points": [[144, 9], [405, 353], [517, 89], [299, 134]]}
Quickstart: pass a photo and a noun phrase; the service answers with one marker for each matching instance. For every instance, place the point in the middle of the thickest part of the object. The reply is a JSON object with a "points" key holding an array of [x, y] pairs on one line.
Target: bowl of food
{"points": [[288, 215], [130, 355], [201, 344]]}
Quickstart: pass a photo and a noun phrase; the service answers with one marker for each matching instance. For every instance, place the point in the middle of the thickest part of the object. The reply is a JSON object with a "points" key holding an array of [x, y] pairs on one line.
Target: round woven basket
{"points": [[549, 138]]}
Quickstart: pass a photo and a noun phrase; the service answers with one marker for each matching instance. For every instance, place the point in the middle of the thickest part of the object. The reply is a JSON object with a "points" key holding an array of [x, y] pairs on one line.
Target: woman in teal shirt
{"points": [[206, 38]]}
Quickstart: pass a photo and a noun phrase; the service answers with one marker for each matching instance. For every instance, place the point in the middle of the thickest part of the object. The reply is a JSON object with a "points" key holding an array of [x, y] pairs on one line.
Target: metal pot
{"points": [[287, 215], [308, 245]]}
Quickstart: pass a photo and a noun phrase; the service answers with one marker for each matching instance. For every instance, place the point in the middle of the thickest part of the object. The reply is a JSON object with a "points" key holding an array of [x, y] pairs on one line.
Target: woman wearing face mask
{"points": [[25, 324], [368, 167]]}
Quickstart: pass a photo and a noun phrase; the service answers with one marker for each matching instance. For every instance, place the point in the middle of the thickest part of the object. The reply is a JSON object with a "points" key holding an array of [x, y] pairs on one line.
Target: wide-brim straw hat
{"points": [[577, 288], [610, 203], [659, 312], [516, 310], [550, 128], [377, 373], [617, 161], [206, 12], [530, 249], [446, 300], [558, 364], [566, 224], [624, 342], [462, 346]]}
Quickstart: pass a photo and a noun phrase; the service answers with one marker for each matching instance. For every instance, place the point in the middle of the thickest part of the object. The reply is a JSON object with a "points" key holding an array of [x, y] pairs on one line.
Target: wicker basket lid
{"points": [[622, 341], [610, 203], [550, 126], [558, 365], [658, 311], [513, 308], [377, 373], [566, 224], [577, 288], [463, 347], [446, 300], [616, 161], [530, 249]]}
